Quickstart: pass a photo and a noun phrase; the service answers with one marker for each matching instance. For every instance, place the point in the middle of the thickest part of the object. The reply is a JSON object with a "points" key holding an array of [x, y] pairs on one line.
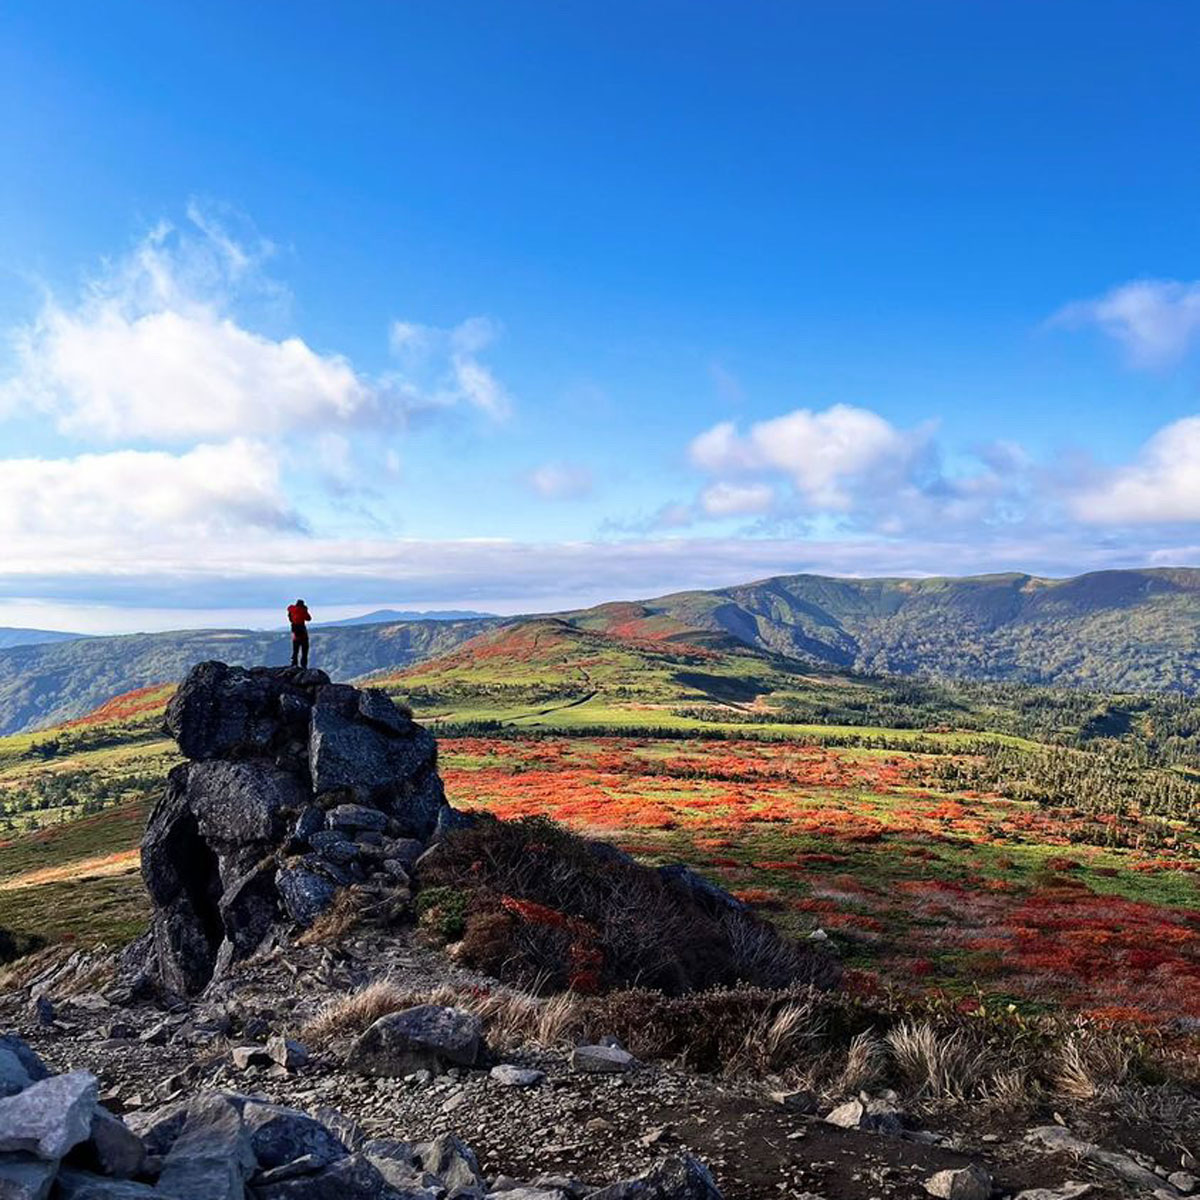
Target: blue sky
{"points": [[526, 305]]}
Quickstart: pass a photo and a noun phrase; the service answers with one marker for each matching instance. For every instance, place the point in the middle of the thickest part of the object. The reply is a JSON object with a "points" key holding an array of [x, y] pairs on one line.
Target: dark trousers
{"points": [[300, 648]]}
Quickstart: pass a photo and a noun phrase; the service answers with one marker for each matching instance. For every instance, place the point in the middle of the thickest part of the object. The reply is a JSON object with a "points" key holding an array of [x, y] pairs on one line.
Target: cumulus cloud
{"points": [[1157, 321], [151, 351], [828, 456], [154, 350], [1161, 485], [440, 368], [560, 481], [211, 490]]}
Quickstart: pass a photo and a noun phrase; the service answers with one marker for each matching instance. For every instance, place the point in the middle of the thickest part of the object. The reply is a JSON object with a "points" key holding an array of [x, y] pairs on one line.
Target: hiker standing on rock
{"points": [[298, 616]]}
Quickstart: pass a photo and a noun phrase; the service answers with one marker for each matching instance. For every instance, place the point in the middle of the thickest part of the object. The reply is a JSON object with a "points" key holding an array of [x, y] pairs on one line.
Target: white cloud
{"points": [[440, 368], [560, 481], [1162, 485], [212, 490], [827, 455], [151, 351], [733, 499], [154, 350], [1157, 321]]}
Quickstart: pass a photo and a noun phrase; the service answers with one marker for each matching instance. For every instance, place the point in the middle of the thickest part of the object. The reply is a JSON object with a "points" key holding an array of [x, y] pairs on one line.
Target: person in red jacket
{"points": [[298, 616]]}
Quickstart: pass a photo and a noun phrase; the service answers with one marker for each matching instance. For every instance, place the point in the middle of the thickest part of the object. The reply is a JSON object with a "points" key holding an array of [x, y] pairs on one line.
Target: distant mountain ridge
{"points": [[382, 616], [10, 637], [1130, 630]]}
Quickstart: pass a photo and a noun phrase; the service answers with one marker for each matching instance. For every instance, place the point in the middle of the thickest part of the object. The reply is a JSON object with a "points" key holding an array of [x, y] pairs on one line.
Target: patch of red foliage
{"points": [[139, 702]]}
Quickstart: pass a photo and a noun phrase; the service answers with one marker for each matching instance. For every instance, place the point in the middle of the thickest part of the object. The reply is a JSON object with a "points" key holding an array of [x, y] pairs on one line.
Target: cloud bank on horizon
{"points": [[219, 459]]}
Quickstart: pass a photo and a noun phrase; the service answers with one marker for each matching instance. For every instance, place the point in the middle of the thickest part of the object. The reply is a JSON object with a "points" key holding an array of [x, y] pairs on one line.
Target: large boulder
{"points": [[427, 1037], [289, 778], [49, 1117]]}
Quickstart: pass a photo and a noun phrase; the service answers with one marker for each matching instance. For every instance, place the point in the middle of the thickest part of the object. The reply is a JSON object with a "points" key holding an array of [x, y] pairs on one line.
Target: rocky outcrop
{"points": [[294, 788]]}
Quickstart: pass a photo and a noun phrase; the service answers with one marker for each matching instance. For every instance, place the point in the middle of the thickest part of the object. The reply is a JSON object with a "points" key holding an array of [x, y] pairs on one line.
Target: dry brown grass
{"points": [[1088, 1067], [936, 1064]]}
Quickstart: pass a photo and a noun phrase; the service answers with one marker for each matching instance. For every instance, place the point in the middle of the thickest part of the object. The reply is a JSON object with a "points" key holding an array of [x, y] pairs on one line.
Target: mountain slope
{"points": [[10, 637], [1110, 630], [46, 683]]}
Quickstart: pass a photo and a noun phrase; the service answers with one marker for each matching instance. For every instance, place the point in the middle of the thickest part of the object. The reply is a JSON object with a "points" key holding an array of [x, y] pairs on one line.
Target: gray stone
{"points": [[112, 1147], [81, 1185], [715, 899], [310, 821], [287, 1053], [396, 870], [1071, 1190], [334, 846], [13, 1075], [34, 1067], [377, 708], [680, 1177], [281, 1135], [250, 1056], [875, 1116], [967, 1183], [800, 1101], [354, 817], [601, 1059], [211, 1158], [1183, 1182], [508, 1075], [428, 1037], [405, 851], [310, 1164], [351, 1178], [1055, 1137], [25, 1177], [230, 712], [305, 894], [451, 1160], [240, 802], [50, 1116]]}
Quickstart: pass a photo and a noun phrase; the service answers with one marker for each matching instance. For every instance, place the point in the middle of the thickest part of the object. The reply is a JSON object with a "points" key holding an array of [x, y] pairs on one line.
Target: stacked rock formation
{"points": [[295, 787]]}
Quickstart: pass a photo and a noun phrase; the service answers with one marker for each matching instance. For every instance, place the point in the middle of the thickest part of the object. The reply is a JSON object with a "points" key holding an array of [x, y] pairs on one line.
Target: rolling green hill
{"points": [[1110, 631]]}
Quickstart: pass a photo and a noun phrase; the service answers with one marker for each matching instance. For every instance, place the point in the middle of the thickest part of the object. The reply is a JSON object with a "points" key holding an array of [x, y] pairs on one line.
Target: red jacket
{"points": [[298, 614]]}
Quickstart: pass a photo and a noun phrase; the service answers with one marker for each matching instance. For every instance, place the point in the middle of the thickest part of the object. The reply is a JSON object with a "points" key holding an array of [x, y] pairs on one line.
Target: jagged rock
{"points": [[354, 817], [800, 1101], [13, 1075], [877, 1116], [451, 1160], [1055, 1137], [427, 1037], [680, 1177], [967, 1183], [305, 894], [50, 1116], [287, 1053], [263, 744], [1071, 1190], [601, 1059], [250, 1056], [508, 1075], [112, 1148], [280, 1135], [34, 1067], [405, 851], [42, 1011], [351, 1178], [79, 1185], [211, 1159], [1183, 1182], [309, 1164], [25, 1177], [527, 1192], [230, 712]]}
